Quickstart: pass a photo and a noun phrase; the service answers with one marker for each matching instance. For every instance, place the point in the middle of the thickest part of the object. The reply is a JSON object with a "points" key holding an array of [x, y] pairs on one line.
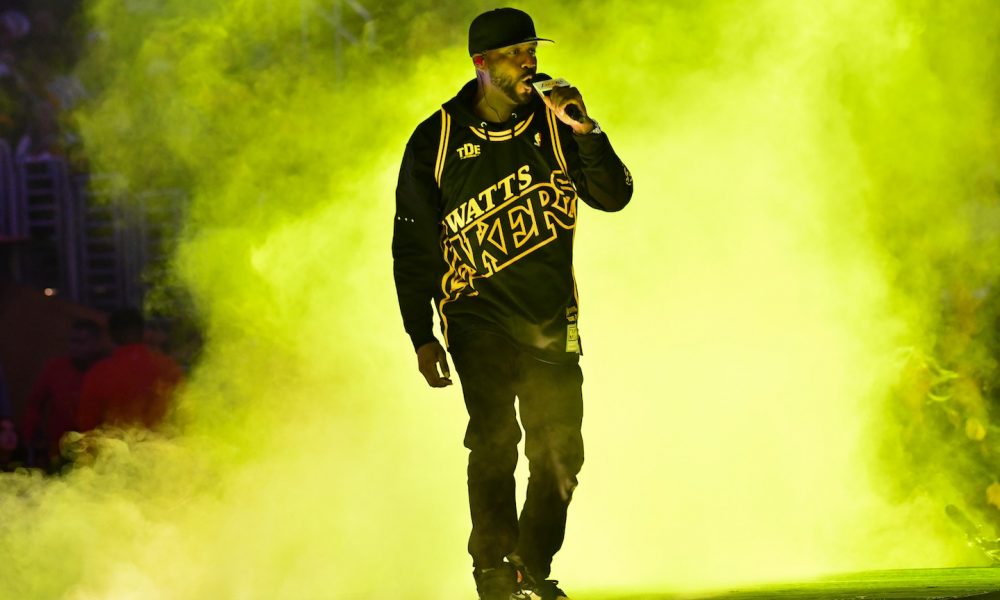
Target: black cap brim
{"points": [[525, 41]]}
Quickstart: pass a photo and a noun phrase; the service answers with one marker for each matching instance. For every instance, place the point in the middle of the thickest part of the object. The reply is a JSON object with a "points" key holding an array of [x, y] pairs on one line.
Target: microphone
{"points": [[573, 112], [544, 84]]}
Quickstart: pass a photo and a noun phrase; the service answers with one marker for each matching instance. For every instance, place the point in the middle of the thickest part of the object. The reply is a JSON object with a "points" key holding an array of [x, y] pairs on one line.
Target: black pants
{"points": [[493, 371]]}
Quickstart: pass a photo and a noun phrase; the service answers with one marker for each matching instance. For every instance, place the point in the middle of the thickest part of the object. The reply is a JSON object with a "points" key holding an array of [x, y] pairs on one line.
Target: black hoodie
{"points": [[485, 217]]}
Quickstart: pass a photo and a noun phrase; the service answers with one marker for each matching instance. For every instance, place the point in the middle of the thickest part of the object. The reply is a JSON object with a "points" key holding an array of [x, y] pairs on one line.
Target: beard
{"points": [[509, 86]]}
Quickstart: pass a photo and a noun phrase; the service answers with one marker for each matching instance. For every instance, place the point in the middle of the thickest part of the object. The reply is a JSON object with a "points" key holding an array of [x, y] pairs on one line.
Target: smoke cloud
{"points": [[815, 188]]}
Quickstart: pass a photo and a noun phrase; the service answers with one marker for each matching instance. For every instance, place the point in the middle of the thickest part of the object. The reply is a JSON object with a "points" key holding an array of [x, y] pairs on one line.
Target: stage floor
{"points": [[922, 584]]}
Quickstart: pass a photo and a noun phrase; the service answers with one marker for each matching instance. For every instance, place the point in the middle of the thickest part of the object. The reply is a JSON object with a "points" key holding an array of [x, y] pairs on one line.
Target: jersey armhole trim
{"points": [[556, 142], [442, 152]]}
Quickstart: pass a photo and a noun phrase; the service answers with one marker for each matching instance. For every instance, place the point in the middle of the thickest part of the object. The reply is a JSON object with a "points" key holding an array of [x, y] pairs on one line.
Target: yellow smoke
{"points": [[810, 178]]}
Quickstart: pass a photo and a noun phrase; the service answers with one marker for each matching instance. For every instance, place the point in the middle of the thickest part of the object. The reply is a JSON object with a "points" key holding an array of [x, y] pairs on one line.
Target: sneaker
{"points": [[499, 583], [547, 589], [533, 588]]}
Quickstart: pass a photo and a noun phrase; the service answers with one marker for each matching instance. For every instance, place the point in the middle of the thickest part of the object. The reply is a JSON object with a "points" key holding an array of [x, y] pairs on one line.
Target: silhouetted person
{"points": [[133, 386], [5, 406], [54, 400], [9, 448]]}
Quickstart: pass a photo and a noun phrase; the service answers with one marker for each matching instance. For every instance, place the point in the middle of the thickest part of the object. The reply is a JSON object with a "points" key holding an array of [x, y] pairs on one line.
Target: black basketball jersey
{"points": [[503, 200]]}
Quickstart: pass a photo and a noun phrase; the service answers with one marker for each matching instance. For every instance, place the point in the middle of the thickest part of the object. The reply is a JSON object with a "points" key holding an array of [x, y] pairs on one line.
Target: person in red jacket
{"points": [[133, 386], [52, 404]]}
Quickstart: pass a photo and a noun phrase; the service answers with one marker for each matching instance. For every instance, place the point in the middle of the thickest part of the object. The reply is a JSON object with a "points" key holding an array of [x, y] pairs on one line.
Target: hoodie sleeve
{"points": [[416, 252], [601, 178]]}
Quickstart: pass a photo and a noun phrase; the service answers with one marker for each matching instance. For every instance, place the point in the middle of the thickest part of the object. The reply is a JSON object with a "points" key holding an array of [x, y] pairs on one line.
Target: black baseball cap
{"points": [[501, 27]]}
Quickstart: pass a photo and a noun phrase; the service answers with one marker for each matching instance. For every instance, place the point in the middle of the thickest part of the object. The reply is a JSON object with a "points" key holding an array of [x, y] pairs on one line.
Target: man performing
{"points": [[485, 216]]}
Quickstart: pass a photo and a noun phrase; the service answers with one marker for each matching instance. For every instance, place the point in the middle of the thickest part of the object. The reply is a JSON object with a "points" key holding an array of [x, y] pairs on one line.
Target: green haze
{"points": [[814, 180]]}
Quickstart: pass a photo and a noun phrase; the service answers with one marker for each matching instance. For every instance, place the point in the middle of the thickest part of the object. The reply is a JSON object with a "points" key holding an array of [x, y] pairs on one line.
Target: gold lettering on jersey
{"points": [[472, 210], [506, 182], [486, 197], [524, 226], [486, 234], [468, 151], [484, 202], [523, 177]]}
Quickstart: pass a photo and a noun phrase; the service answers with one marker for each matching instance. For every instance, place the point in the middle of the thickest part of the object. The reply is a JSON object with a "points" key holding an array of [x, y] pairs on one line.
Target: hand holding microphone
{"points": [[565, 100]]}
